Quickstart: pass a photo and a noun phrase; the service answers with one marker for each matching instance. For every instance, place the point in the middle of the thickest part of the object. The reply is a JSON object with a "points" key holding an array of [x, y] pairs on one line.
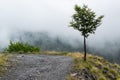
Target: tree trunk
{"points": [[84, 48]]}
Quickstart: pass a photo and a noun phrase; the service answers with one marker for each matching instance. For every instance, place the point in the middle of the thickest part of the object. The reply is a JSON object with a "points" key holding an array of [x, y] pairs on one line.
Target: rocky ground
{"points": [[39, 67]]}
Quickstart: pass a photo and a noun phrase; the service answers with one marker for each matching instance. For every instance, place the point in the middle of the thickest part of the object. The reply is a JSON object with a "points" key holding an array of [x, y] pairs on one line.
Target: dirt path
{"points": [[39, 67]]}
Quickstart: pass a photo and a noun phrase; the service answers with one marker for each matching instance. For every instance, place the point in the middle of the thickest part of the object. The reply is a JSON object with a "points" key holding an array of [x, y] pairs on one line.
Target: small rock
{"points": [[73, 74]]}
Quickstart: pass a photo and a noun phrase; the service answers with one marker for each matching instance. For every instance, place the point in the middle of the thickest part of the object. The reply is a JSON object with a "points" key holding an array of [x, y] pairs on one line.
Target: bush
{"points": [[21, 47]]}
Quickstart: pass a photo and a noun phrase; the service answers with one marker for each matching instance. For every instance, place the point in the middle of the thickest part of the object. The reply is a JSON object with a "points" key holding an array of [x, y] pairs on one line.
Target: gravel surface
{"points": [[39, 67]]}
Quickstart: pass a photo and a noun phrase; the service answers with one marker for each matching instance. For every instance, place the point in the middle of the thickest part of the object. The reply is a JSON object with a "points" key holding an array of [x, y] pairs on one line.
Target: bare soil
{"points": [[39, 67]]}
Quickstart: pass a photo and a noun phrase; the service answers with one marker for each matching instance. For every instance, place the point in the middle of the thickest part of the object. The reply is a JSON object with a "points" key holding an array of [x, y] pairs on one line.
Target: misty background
{"points": [[44, 23]]}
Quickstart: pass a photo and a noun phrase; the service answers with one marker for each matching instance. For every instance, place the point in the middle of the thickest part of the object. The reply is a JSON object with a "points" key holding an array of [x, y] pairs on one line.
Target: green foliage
{"points": [[20, 47], [85, 21]]}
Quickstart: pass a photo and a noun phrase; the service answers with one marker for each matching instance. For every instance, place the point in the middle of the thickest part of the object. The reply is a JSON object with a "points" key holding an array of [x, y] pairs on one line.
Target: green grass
{"points": [[98, 66]]}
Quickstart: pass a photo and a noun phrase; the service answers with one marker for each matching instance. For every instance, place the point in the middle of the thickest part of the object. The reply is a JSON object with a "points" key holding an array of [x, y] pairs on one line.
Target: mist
{"points": [[53, 17]]}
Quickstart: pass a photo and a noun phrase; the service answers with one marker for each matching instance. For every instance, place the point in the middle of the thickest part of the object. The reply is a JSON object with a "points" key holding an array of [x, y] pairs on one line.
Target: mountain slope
{"points": [[95, 68]]}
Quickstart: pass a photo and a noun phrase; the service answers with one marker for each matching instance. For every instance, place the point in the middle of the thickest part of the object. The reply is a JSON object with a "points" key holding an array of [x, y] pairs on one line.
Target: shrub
{"points": [[21, 47]]}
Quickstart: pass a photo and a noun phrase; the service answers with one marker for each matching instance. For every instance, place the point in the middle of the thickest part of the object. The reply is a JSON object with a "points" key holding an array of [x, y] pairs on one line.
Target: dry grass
{"points": [[3, 63], [41, 52], [98, 66]]}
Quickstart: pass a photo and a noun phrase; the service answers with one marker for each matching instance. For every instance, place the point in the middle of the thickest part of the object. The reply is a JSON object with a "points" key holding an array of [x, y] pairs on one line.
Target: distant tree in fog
{"points": [[85, 21]]}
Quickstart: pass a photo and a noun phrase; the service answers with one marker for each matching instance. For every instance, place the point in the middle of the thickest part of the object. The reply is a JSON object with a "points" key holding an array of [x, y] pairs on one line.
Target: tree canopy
{"points": [[85, 20]]}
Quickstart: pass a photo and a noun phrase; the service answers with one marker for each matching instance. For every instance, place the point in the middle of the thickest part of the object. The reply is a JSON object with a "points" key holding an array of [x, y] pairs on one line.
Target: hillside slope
{"points": [[95, 68]]}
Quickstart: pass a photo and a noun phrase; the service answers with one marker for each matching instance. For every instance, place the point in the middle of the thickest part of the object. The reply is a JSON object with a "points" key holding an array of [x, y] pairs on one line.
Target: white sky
{"points": [[54, 16]]}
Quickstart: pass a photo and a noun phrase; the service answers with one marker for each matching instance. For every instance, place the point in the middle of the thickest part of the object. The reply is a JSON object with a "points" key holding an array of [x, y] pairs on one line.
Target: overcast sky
{"points": [[54, 16]]}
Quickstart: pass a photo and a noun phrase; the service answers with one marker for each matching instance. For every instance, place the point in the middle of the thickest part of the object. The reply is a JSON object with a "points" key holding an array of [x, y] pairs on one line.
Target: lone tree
{"points": [[85, 21]]}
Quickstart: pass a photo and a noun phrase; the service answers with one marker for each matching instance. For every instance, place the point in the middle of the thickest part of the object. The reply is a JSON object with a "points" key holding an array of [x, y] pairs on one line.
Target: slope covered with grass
{"points": [[95, 68], [3, 63]]}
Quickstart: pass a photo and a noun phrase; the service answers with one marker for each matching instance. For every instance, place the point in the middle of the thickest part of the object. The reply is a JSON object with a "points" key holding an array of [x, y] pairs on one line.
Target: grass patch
{"points": [[3, 63], [95, 65], [52, 53]]}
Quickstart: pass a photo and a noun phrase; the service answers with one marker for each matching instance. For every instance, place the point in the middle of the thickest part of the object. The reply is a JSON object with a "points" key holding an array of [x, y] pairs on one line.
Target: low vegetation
{"points": [[3, 63], [21, 47], [95, 68]]}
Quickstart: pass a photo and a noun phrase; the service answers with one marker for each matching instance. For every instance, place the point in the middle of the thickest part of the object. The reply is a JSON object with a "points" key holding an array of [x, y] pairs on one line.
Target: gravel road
{"points": [[39, 67]]}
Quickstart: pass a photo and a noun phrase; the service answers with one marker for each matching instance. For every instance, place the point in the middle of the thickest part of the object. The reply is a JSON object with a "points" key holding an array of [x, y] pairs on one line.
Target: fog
{"points": [[53, 16]]}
